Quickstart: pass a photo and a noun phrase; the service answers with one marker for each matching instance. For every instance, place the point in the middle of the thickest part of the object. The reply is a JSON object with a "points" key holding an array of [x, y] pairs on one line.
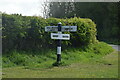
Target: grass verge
{"points": [[104, 67], [45, 59]]}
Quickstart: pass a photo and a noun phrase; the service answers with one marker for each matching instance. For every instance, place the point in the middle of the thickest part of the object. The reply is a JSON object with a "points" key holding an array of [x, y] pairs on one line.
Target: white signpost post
{"points": [[59, 36]]}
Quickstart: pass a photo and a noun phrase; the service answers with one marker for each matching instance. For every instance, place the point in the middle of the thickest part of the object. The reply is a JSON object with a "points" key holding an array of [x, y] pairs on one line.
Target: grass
{"points": [[45, 59], [105, 67], [88, 62]]}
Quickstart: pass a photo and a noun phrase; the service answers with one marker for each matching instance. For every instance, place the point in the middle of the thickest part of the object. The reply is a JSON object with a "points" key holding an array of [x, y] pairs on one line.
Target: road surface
{"points": [[116, 47]]}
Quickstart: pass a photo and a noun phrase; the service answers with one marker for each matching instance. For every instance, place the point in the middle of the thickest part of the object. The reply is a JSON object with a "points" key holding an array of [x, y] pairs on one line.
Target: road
{"points": [[117, 47]]}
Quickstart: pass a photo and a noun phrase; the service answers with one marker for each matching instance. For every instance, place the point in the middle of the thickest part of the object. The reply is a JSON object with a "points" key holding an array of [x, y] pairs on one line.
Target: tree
{"points": [[104, 14], [45, 9], [61, 9]]}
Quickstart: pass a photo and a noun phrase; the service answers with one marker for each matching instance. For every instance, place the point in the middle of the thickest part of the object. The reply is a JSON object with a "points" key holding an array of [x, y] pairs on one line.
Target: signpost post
{"points": [[59, 44], [59, 36]]}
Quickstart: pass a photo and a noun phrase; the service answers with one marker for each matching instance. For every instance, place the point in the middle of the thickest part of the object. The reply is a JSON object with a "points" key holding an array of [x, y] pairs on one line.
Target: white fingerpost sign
{"points": [[59, 36], [69, 28], [63, 28], [51, 28]]}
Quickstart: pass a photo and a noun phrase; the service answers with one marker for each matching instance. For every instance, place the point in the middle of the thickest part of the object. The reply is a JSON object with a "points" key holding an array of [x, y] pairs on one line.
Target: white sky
{"points": [[28, 7], [24, 7]]}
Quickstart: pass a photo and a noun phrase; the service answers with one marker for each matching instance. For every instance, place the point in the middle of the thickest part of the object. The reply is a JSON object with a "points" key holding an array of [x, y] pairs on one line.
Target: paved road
{"points": [[117, 47]]}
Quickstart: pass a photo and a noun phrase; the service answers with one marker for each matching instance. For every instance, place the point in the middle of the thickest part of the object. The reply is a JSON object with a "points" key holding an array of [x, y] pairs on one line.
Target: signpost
{"points": [[59, 36]]}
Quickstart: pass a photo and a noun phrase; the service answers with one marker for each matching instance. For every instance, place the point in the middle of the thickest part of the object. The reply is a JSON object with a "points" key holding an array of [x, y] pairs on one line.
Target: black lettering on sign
{"points": [[65, 36], [48, 27], [71, 28], [55, 35], [66, 28]]}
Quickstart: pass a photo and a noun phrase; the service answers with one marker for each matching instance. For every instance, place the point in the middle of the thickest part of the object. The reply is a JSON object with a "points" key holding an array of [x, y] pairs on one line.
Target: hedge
{"points": [[28, 32]]}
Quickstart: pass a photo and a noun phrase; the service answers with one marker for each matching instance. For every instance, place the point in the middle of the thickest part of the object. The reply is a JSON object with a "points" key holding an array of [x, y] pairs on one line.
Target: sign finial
{"points": [[59, 23]]}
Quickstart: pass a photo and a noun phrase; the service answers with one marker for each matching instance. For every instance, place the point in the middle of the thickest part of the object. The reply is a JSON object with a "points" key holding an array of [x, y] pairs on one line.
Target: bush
{"points": [[28, 33]]}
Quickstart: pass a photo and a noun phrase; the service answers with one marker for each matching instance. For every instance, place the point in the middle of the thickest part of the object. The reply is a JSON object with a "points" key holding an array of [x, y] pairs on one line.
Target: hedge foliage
{"points": [[28, 32]]}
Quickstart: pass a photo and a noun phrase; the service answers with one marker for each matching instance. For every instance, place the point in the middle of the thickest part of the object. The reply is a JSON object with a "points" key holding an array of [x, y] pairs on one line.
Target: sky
{"points": [[24, 7], [27, 7]]}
